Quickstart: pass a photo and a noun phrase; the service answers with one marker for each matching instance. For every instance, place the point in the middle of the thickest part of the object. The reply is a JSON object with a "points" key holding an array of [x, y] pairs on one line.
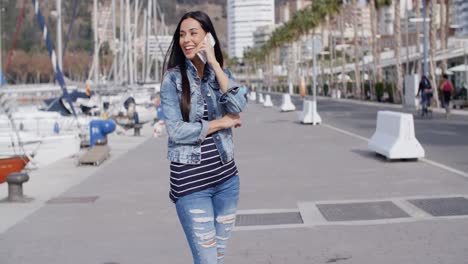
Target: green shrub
{"points": [[367, 90], [309, 89], [389, 90], [325, 89], [349, 87], [379, 91]]}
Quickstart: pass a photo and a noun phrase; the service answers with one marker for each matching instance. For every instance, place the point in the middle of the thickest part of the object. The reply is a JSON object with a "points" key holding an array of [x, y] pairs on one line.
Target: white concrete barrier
{"points": [[287, 105], [309, 113], [268, 102], [253, 96], [260, 98], [394, 136], [336, 93]]}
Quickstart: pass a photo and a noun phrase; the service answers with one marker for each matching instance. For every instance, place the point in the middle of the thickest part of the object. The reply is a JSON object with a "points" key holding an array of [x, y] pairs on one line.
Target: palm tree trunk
{"points": [[322, 63], [374, 46], [377, 58], [397, 35], [357, 74], [433, 47], [332, 57], [447, 23], [418, 40], [443, 31], [343, 55]]}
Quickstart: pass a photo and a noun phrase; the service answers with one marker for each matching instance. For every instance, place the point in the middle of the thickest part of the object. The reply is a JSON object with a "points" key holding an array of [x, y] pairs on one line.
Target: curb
{"points": [[374, 104]]}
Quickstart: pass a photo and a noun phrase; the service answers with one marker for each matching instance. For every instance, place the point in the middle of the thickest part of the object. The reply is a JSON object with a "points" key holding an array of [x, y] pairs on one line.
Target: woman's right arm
{"points": [[179, 131], [227, 121], [182, 132]]}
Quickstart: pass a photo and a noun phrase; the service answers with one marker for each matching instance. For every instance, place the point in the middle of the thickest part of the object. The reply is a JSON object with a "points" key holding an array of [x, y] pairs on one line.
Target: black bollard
{"points": [[136, 130], [15, 182]]}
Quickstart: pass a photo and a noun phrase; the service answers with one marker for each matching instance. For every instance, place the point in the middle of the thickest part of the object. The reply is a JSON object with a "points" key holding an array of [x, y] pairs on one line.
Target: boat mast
{"points": [[128, 43], [148, 62], [1, 62], [59, 34], [114, 25], [96, 44], [145, 53], [156, 66]]}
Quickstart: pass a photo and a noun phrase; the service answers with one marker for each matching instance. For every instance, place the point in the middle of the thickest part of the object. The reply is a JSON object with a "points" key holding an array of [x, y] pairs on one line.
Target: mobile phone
{"points": [[209, 38]]}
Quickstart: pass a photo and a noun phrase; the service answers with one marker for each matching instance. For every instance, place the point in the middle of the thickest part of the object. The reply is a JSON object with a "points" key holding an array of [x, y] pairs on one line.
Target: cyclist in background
{"points": [[425, 89]]}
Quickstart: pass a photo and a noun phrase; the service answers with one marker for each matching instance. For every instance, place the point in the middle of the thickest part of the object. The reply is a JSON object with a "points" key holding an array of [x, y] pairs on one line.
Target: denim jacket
{"points": [[185, 138]]}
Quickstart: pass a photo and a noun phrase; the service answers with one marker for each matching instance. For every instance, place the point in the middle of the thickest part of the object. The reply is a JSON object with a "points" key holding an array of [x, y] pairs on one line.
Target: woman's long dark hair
{"points": [[175, 57]]}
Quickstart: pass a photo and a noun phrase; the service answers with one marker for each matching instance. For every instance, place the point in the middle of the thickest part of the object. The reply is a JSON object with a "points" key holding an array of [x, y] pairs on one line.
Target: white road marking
{"points": [[428, 161]]}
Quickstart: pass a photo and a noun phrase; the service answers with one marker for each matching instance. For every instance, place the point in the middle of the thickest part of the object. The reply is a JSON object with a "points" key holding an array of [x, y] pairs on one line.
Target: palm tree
{"points": [[444, 25], [373, 42], [322, 58], [343, 54], [357, 74], [397, 35], [302, 22], [418, 40], [433, 47], [447, 25], [332, 56]]}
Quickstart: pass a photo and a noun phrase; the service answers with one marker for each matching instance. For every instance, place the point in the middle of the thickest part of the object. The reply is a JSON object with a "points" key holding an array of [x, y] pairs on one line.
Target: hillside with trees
{"points": [[30, 62]]}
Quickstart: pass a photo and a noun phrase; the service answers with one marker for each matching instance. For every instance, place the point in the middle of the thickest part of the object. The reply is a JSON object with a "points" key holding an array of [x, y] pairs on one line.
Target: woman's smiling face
{"points": [[190, 36]]}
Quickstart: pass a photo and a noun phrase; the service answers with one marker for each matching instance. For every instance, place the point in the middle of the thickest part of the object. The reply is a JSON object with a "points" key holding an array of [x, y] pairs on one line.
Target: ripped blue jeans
{"points": [[207, 218]]}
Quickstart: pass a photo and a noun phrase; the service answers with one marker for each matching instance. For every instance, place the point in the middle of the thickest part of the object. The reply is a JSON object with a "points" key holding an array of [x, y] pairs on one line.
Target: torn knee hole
{"points": [[210, 243], [226, 219]]}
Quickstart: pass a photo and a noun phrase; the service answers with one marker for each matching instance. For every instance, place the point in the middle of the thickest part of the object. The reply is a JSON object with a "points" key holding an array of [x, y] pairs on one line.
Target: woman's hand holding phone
{"points": [[206, 49]]}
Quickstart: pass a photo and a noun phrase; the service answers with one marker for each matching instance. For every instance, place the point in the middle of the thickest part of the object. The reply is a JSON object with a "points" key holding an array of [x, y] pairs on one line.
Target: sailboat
{"points": [[35, 138], [17, 160], [12, 164]]}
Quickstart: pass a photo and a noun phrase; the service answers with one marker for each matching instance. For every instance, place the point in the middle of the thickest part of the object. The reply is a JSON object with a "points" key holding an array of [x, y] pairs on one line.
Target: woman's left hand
{"points": [[209, 51]]}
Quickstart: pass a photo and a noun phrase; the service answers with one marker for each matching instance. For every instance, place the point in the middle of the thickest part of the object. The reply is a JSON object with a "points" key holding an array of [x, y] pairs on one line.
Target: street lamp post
{"points": [[425, 37], [423, 20]]}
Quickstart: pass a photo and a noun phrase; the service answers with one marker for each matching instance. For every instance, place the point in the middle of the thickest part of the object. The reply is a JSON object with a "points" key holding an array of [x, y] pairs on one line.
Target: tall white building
{"points": [[461, 17], [244, 17]]}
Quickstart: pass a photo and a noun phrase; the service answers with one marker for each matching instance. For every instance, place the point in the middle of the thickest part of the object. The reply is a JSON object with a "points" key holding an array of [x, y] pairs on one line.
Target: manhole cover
{"points": [[73, 200], [361, 211], [269, 219], [443, 206]]}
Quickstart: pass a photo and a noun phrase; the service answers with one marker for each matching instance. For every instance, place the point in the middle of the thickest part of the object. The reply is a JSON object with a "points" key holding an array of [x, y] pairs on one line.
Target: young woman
{"points": [[447, 89], [201, 102]]}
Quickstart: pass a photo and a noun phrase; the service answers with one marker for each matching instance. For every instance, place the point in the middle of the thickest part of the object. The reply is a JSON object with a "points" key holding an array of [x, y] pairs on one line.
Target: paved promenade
{"points": [[309, 194]]}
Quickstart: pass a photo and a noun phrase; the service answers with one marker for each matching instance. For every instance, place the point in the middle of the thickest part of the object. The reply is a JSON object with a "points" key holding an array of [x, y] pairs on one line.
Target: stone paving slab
{"points": [[56, 178]]}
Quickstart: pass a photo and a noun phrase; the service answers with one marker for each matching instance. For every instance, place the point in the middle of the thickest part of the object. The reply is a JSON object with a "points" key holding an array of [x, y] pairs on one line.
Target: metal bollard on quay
{"points": [[15, 182]]}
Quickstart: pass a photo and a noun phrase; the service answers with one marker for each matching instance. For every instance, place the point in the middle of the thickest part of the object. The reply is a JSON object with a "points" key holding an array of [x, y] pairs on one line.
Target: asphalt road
{"points": [[444, 141]]}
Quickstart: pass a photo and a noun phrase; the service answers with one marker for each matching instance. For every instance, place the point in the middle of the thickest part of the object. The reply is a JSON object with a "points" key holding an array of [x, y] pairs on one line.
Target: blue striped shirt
{"points": [[187, 178]]}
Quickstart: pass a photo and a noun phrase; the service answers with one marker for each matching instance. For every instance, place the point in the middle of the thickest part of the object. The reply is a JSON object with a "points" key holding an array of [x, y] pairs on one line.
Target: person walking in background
{"points": [[201, 102], [425, 90], [446, 87]]}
